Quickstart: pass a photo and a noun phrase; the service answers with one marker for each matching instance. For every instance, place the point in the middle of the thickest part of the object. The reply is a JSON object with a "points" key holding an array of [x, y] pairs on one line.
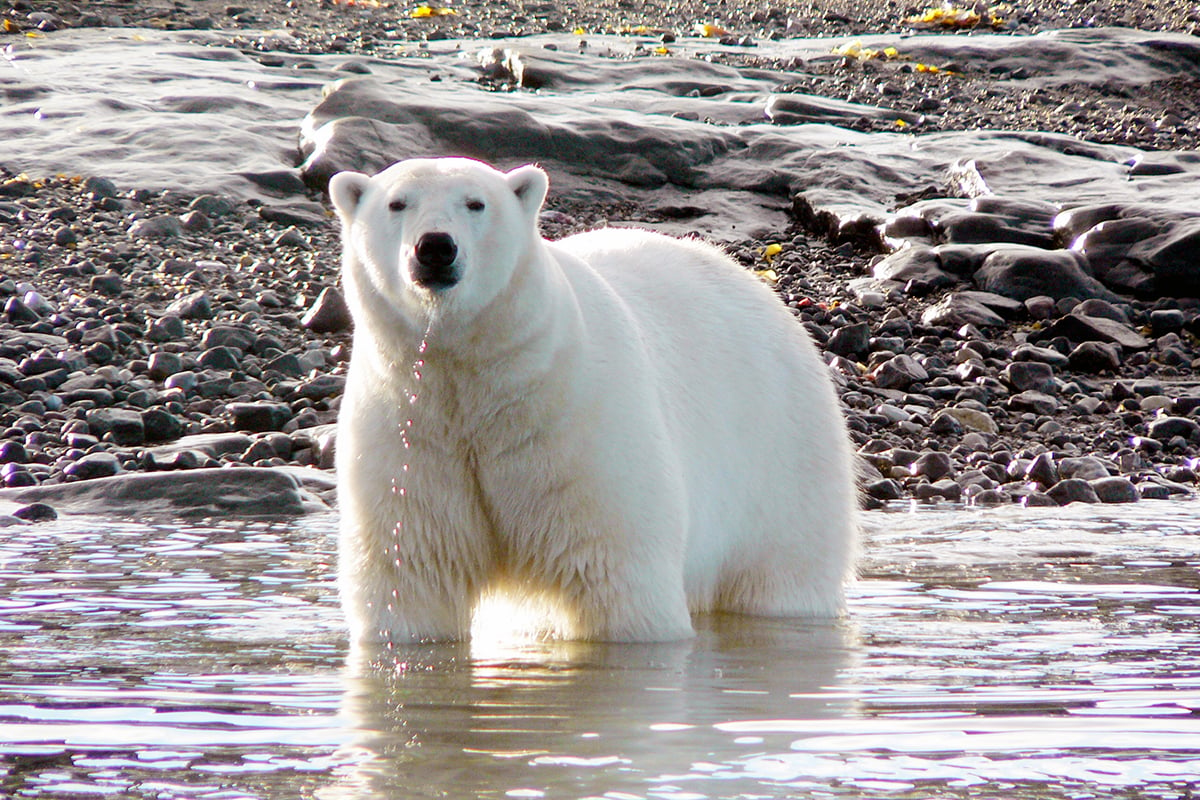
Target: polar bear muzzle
{"points": [[433, 261]]}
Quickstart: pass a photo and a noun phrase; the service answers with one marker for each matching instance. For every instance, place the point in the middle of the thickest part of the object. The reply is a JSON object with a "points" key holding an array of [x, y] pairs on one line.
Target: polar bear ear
{"points": [[529, 184], [346, 190]]}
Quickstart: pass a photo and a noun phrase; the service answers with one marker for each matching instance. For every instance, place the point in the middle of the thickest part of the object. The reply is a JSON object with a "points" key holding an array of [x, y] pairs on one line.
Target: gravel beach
{"points": [[152, 331]]}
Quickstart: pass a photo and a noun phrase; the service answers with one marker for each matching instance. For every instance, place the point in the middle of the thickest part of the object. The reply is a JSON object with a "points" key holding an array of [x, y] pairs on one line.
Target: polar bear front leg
{"points": [[397, 594]]}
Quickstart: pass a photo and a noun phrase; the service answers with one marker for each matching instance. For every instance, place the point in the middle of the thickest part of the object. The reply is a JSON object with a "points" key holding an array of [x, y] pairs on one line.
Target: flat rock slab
{"points": [[248, 491], [612, 122]]}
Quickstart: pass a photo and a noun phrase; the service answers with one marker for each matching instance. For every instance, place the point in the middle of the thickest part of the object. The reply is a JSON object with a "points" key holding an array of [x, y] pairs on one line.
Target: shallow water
{"points": [[1003, 653]]}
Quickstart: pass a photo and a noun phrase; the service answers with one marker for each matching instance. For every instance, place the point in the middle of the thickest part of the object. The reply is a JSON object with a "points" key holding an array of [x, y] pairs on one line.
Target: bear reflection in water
{"points": [[619, 428]]}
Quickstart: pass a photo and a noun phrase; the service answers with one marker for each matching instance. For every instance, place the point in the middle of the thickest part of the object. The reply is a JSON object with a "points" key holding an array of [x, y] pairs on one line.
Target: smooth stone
{"points": [[123, 426], [168, 328], [1165, 428], [917, 265], [247, 491], [164, 365], [934, 465], [195, 305], [259, 417], [302, 213], [1030, 400], [850, 340], [1043, 470], [1115, 489], [956, 310], [1025, 375], [1023, 272], [91, 466], [228, 336], [328, 313], [163, 226], [899, 372], [1044, 355], [1073, 490], [36, 512], [1095, 357], [1096, 307], [1085, 467], [1081, 328], [970, 419], [160, 425]]}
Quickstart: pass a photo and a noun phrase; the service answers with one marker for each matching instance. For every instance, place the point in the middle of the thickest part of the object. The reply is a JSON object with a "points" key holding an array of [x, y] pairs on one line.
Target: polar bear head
{"points": [[439, 233]]}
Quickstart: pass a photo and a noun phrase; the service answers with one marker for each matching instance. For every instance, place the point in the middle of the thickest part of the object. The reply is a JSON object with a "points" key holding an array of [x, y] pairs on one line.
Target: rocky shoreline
{"points": [[146, 331]]}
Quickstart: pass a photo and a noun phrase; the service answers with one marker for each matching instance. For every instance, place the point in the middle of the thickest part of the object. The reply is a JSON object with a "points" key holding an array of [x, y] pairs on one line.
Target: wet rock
{"points": [[917, 266], [91, 466], [1043, 470], [884, 489], [1115, 489], [328, 314], [247, 491], [1024, 272], [36, 512], [1087, 467], [1073, 490], [933, 465]]}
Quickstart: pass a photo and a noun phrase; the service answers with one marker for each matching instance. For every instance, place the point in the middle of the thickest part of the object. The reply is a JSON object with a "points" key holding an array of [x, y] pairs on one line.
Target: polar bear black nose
{"points": [[435, 254]]}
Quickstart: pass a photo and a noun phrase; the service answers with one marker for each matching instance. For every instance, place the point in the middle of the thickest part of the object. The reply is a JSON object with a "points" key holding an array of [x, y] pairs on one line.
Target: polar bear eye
{"points": [[475, 205], [397, 205]]}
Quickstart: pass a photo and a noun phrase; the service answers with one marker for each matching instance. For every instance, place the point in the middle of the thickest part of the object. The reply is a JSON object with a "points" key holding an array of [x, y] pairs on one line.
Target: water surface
{"points": [[1002, 653]]}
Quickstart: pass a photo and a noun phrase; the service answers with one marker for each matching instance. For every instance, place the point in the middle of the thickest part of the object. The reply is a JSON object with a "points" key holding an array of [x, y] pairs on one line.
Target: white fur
{"points": [[625, 425]]}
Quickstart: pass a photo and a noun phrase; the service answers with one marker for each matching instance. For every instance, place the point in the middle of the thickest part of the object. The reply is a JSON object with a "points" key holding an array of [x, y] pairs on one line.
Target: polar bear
{"points": [[623, 425]]}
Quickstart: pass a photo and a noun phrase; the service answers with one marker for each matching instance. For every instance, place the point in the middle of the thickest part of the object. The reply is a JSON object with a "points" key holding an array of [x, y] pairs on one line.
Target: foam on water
{"points": [[1006, 652]]}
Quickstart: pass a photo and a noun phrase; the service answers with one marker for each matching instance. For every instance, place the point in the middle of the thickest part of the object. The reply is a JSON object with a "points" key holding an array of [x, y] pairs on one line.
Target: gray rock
{"points": [[1115, 489], [1037, 402], [956, 310], [850, 340], [917, 264], [123, 426], [899, 372], [168, 328], [159, 425], [161, 227], [1082, 328], [934, 465], [163, 365], [1025, 375], [90, 466], [1043, 470], [228, 336], [259, 417], [328, 314], [1044, 355], [247, 491], [1165, 428], [1073, 490], [1025, 272], [196, 305], [1088, 468], [1094, 357]]}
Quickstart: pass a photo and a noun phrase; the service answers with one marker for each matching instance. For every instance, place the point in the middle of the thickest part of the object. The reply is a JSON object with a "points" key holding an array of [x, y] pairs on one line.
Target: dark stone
{"points": [[220, 358], [1167, 320], [161, 426], [321, 387], [1115, 489], [1073, 490], [123, 426], [259, 417], [1043, 355], [306, 214], [1164, 428], [1094, 357], [899, 372], [164, 365], [933, 465], [956, 310], [196, 305], [93, 465], [160, 227], [850, 340], [1037, 402], [36, 512], [1023, 375], [1043, 470], [1079, 328], [110, 283], [228, 336], [18, 313], [1024, 272], [885, 489], [168, 328], [13, 453], [328, 314]]}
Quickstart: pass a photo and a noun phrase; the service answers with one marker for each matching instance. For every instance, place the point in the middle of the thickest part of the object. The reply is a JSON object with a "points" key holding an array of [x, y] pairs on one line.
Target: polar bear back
{"points": [[747, 401]]}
